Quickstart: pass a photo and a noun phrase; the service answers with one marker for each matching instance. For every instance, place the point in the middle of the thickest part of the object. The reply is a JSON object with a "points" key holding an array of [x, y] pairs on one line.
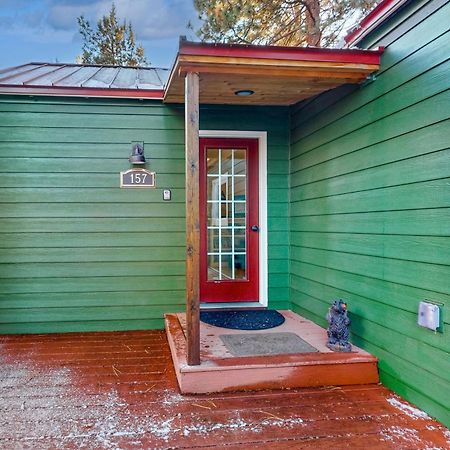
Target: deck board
{"points": [[119, 390]]}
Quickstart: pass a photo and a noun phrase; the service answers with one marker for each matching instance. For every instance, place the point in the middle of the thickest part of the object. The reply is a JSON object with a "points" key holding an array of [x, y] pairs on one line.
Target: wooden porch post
{"points": [[192, 218]]}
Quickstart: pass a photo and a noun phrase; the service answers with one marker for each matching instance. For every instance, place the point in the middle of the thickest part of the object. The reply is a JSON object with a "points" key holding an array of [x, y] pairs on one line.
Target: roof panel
{"points": [[125, 78], [103, 78], [10, 71], [21, 74], [163, 75], [48, 78], [80, 75], [148, 79]]}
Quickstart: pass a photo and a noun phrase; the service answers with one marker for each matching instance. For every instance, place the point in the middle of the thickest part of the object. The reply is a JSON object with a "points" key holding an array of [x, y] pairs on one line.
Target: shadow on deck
{"points": [[118, 390]]}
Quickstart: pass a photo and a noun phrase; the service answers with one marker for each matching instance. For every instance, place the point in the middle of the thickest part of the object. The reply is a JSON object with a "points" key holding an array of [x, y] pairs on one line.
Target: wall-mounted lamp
{"points": [[137, 154]]}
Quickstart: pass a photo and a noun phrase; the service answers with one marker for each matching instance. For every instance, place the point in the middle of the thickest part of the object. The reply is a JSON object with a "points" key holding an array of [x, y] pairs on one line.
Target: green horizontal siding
{"points": [[78, 253], [370, 205]]}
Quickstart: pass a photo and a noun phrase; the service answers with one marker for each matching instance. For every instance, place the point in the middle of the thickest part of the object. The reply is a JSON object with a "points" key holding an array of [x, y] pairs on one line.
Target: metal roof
{"points": [[275, 75], [76, 79], [372, 20]]}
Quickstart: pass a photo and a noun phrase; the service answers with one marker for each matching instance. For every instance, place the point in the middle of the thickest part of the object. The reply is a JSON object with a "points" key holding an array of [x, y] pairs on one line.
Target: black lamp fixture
{"points": [[137, 153]]}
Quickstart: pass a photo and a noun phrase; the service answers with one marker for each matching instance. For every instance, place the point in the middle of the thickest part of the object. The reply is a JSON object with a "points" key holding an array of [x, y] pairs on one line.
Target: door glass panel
{"points": [[239, 162], [213, 267], [213, 214], [239, 266], [213, 240], [213, 188], [239, 214], [225, 188], [212, 161], [239, 188], [227, 267], [227, 161], [239, 240], [226, 214], [226, 239]]}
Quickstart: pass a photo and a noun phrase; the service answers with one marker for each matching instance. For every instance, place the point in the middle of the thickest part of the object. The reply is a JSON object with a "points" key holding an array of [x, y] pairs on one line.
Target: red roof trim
{"points": [[154, 94], [286, 53], [382, 11]]}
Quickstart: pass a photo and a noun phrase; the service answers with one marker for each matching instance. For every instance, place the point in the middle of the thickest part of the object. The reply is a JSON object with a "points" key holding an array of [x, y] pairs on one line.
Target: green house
{"points": [[322, 174]]}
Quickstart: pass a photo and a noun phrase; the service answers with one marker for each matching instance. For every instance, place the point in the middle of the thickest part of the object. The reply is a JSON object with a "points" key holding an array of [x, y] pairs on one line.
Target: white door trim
{"points": [[263, 260]]}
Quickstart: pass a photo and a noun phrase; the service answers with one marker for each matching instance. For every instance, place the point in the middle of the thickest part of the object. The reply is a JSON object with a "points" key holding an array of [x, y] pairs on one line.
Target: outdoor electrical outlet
{"points": [[167, 195], [429, 315]]}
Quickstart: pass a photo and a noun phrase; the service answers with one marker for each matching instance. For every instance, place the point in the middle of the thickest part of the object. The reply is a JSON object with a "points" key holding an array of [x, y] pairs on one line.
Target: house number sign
{"points": [[137, 178]]}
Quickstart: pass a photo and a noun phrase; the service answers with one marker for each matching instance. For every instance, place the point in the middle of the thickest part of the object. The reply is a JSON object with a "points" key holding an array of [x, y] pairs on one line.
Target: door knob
{"points": [[255, 228]]}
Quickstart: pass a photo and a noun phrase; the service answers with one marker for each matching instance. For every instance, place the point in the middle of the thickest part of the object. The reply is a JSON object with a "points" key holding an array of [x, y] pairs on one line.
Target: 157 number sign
{"points": [[137, 178]]}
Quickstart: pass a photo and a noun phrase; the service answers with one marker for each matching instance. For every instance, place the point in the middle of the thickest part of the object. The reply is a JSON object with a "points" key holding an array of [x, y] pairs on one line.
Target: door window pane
{"points": [[239, 267], [212, 160], [226, 161], [226, 214], [239, 188], [213, 188], [240, 162], [239, 214], [213, 267], [239, 240], [227, 267], [226, 240], [225, 188]]}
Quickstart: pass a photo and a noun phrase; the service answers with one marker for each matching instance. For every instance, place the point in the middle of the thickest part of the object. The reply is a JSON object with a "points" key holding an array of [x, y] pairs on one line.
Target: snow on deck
{"points": [[118, 391]]}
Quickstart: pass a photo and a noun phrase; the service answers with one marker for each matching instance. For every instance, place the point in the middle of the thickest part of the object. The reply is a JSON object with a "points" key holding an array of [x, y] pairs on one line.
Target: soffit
{"points": [[277, 75]]}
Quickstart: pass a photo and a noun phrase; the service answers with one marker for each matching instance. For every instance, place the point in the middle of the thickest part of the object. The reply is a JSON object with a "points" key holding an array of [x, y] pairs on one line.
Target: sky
{"points": [[47, 30]]}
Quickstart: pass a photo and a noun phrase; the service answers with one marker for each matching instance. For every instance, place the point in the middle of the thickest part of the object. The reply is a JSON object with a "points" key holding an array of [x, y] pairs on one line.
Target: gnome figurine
{"points": [[338, 324]]}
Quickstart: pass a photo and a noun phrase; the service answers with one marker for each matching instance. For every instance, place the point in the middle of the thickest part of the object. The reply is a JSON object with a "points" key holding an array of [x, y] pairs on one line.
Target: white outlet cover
{"points": [[428, 315]]}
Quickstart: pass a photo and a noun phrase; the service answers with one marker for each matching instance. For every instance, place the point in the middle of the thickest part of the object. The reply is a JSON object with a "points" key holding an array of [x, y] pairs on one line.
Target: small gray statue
{"points": [[338, 327]]}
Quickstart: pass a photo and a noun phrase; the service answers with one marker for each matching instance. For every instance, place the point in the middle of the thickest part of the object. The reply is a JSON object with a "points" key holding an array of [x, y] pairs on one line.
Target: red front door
{"points": [[229, 220]]}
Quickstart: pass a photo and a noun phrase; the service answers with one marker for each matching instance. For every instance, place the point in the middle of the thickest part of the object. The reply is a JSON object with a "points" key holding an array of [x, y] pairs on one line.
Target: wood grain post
{"points": [[192, 219]]}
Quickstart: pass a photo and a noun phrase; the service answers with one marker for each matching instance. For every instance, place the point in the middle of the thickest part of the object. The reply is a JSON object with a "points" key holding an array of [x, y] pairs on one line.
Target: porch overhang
{"points": [[276, 75]]}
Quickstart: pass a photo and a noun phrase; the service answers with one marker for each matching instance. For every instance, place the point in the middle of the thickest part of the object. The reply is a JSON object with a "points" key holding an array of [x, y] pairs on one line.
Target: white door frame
{"points": [[262, 166]]}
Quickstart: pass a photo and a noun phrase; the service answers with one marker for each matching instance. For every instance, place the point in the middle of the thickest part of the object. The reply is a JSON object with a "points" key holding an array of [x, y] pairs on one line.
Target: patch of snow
{"points": [[409, 410], [447, 434], [396, 433], [172, 398], [231, 425], [284, 422], [237, 423]]}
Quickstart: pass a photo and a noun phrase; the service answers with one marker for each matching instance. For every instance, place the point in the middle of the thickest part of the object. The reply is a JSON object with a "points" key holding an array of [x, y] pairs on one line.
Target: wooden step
{"points": [[226, 373]]}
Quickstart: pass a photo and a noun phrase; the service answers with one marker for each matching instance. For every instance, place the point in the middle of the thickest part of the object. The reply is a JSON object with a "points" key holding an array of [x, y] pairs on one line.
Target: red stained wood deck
{"points": [[118, 390]]}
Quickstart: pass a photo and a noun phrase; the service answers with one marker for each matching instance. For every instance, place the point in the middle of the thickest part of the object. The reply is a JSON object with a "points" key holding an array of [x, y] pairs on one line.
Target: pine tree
{"points": [[111, 43], [279, 22]]}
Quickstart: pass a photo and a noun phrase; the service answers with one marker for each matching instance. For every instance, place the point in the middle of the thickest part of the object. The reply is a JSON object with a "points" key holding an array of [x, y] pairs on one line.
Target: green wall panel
{"points": [[78, 253], [370, 206]]}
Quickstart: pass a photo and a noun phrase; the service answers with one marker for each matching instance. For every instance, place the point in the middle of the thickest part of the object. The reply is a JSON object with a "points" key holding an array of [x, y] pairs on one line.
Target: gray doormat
{"points": [[251, 344]]}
